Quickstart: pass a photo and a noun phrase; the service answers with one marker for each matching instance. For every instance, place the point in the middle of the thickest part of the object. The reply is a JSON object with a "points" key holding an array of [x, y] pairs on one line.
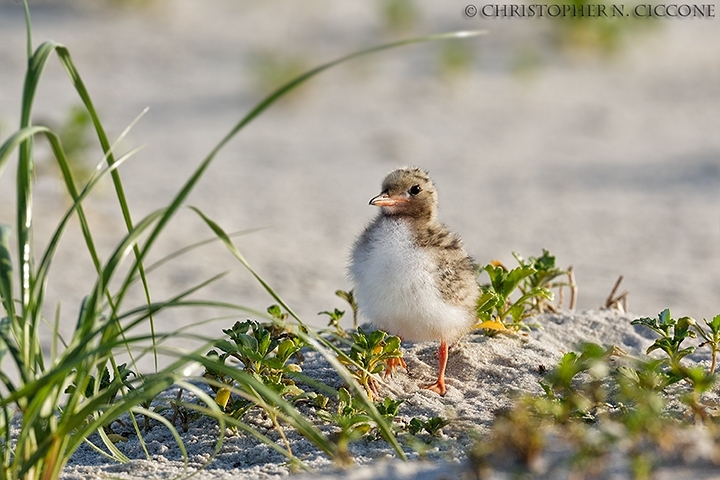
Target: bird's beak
{"points": [[385, 200]]}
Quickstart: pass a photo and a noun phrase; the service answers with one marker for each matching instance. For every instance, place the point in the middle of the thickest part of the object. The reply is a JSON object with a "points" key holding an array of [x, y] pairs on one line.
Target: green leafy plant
{"points": [[533, 279], [546, 276], [672, 334], [432, 426], [710, 338], [369, 355], [334, 321], [352, 421], [389, 408], [496, 309], [264, 352]]}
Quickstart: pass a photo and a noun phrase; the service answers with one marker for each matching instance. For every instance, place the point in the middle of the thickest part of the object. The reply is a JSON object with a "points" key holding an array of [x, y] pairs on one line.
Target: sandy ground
{"points": [[484, 376], [611, 163]]}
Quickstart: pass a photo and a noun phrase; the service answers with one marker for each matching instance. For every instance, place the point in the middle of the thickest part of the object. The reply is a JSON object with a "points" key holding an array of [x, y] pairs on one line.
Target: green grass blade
{"points": [[28, 28], [25, 170], [68, 64], [194, 246], [6, 285], [225, 238]]}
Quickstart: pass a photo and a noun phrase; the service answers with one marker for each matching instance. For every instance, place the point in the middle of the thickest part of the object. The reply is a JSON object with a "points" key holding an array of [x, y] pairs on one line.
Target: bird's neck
{"points": [[415, 222]]}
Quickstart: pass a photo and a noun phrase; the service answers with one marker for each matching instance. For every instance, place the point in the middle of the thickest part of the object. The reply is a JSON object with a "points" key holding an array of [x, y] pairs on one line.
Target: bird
{"points": [[412, 276]]}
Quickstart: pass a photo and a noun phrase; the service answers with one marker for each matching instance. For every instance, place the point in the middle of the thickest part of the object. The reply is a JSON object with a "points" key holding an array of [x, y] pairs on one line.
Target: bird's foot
{"points": [[437, 387], [393, 363]]}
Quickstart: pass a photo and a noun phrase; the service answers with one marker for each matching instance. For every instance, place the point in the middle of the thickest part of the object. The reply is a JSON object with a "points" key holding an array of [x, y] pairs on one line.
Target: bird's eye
{"points": [[414, 190]]}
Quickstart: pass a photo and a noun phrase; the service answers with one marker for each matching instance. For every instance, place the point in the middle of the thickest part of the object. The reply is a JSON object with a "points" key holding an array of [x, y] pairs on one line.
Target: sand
{"points": [[612, 163], [485, 375]]}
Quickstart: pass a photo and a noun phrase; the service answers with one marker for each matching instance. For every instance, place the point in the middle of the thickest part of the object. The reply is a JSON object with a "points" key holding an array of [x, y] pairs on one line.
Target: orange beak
{"points": [[385, 200]]}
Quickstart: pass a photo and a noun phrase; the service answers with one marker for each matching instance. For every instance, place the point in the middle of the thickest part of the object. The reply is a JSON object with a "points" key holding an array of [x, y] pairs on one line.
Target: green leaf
{"points": [[376, 336], [714, 324], [275, 312], [513, 279], [392, 343], [545, 263], [664, 318], [516, 312], [682, 329], [415, 426], [225, 346], [434, 424]]}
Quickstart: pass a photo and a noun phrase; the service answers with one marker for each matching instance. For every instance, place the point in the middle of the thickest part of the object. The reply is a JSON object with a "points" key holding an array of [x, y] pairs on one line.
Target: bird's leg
{"points": [[439, 386]]}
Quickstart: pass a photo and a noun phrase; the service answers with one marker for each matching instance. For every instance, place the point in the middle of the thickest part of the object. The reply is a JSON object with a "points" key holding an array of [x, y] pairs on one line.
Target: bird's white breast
{"points": [[396, 287]]}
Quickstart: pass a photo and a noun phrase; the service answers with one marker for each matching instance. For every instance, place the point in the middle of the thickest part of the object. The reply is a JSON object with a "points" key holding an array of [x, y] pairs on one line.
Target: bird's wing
{"points": [[455, 268]]}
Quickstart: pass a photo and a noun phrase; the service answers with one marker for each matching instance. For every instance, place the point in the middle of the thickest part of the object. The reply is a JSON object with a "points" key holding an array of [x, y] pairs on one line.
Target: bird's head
{"points": [[409, 192]]}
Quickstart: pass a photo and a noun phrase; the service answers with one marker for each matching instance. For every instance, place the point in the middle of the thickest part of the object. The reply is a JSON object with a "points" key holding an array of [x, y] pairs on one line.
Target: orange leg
{"points": [[439, 386]]}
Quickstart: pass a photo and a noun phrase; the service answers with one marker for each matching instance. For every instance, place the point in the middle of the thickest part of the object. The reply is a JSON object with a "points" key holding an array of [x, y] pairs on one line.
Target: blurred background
{"points": [[596, 139]]}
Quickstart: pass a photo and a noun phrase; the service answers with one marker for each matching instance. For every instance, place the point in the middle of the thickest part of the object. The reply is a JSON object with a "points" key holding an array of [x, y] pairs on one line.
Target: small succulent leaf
{"points": [[516, 312], [714, 324], [274, 363], [265, 343], [651, 323], [487, 300], [497, 276], [275, 312], [344, 396], [376, 336], [434, 424], [665, 318], [545, 263], [542, 292], [222, 396], [247, 341], [685, 352], [286, 349], [415, 426], [513, 279], [392, 343], [490, 325], [682, 329], [652, 348]]}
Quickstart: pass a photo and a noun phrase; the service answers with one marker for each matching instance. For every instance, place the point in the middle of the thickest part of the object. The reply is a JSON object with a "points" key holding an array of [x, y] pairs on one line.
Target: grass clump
{"points": [[51, 404]]}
